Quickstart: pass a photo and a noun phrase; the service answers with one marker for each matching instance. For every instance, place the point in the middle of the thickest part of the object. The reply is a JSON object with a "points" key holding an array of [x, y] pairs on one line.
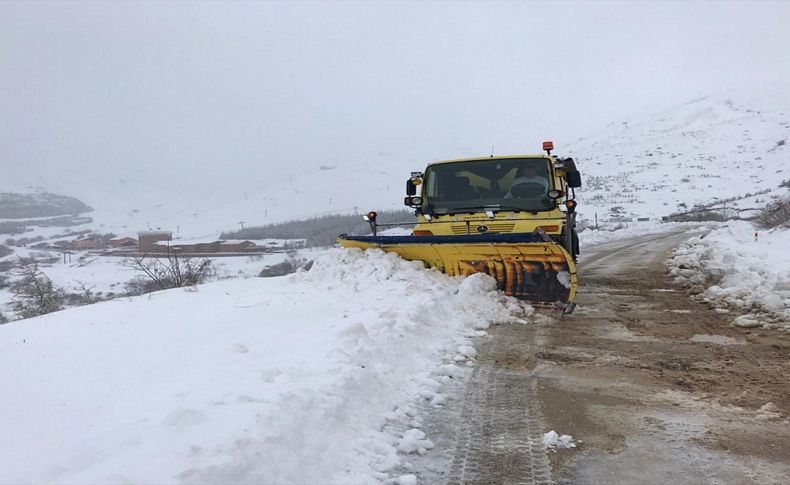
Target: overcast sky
{"points": [[104, 85]]}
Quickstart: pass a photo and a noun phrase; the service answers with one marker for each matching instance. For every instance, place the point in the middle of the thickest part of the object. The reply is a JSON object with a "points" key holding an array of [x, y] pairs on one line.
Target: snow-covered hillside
{"points": [[195, 207], [317, 377], [709, 149], [719, 147]]}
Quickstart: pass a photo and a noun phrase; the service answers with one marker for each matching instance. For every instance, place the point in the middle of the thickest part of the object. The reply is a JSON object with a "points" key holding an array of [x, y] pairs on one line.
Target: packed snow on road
{"points": [[318, 376]]}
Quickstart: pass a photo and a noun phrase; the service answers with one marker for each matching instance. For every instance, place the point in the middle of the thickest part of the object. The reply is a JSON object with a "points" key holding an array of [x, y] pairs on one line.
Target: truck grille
{"points": [[493, 227]]}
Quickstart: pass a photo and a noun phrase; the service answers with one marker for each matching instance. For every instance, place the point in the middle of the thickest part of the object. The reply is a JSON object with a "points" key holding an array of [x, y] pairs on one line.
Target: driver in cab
{"points": [[526, 178]]}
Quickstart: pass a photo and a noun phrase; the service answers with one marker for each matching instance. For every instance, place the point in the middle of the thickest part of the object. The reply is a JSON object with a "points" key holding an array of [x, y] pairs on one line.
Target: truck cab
{"points": [[490, 195]]}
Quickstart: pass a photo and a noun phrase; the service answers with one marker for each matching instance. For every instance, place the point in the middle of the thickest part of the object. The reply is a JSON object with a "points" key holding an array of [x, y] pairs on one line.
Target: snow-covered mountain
{"points": [[707, 150], [712, 148]]}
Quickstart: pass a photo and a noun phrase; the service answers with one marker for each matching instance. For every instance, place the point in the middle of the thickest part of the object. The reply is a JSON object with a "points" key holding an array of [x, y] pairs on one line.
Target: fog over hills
{"points": [[719, 146]]}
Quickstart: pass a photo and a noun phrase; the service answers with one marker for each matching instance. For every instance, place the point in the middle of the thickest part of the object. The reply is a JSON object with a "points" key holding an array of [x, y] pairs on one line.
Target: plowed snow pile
{"points": [[731, 269], [313, 377]]}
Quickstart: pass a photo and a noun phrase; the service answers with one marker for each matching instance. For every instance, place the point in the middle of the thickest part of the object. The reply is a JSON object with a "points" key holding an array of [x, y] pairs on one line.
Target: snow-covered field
{"points": [[739, 267], [316, 377], [593, 237], [107, 275]]}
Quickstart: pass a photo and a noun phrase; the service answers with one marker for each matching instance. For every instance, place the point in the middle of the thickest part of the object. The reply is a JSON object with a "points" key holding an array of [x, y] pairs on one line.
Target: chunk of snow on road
{"points": [[477, 283], [746, 321], [564, 278], [450, 370], [769, 412], [467, 351], [716, 339], [414, 441], [552, 440], [406, 480]]}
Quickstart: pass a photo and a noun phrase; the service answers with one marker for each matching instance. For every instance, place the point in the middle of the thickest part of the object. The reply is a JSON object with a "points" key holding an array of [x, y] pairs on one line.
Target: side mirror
{"points": [[411, 189], [574, 178]]}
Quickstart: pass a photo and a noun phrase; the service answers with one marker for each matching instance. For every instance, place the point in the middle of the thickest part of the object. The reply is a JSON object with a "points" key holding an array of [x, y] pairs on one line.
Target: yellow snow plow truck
{"points": [[511, 217]]}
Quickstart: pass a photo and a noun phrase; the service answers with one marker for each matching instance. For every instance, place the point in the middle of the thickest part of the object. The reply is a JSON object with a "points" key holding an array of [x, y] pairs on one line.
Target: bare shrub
{"points": [[84, 296], [777, 213], [140, 286], [292, 264], [163, 273], [34, 294], [3, 318]]}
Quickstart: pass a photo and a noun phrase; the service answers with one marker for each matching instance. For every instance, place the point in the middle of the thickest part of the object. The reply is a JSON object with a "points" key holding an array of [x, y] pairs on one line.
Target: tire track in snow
{"points": [[499, 429]]}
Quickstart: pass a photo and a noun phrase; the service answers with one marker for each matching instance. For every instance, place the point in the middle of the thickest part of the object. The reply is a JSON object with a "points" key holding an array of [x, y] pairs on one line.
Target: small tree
{"points": [[777, 213], [3, 318], [34, 294], [83, 296], [170, 271]]}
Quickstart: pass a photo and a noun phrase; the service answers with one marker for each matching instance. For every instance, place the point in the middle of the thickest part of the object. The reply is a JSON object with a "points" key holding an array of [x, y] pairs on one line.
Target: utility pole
{"points": [[242, 225]]}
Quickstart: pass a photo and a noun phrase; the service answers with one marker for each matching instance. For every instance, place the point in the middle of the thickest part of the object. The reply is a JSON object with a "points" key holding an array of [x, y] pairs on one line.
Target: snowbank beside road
{"points": [[313, 377], [729, 268]]}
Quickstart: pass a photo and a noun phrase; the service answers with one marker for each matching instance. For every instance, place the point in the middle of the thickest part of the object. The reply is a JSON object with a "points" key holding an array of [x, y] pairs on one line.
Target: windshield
{"points": [[501, 184]]}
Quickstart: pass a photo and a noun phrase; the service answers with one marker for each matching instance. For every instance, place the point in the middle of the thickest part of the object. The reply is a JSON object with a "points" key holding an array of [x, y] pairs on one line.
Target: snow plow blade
{"points": [[525, 266]]}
